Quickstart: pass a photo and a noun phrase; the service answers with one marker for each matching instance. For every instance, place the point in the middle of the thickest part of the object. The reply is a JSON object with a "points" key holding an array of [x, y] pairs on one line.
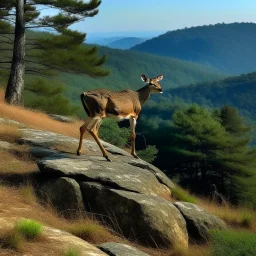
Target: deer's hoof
{"points": [[135, 156], [78, 153], [108, 159]]}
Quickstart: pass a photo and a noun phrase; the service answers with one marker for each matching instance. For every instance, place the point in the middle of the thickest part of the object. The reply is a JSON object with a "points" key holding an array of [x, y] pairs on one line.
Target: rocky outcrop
{"points": [[199, 222], [146, 218], [117, 249], [130, 194]]}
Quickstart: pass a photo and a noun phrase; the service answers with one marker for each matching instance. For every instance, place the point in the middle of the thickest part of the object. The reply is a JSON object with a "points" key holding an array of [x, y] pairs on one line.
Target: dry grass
{"points": [[9, 133], [234, 216], [36, 119], [15, 164]]}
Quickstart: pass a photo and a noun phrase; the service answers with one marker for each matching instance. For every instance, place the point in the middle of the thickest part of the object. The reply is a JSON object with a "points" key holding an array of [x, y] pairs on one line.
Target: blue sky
{"points": [[146, 17], [135, 16]]}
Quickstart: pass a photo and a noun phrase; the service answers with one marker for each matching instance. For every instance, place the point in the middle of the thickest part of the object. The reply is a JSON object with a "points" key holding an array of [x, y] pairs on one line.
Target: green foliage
{"points": [[228, 47], [29, 229], [182, 195], [47, 95], [71, 252], [50, 53], [210, 153], [149, 154], [232, 243], [110, 132]]}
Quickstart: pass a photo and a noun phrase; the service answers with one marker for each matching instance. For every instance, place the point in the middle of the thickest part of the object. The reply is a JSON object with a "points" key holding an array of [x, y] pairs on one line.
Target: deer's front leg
{"points": [[133, 135]]}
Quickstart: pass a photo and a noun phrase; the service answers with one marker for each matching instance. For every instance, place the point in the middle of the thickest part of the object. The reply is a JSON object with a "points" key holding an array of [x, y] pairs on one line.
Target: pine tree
{"points": [[60, 52], [212, 151]]}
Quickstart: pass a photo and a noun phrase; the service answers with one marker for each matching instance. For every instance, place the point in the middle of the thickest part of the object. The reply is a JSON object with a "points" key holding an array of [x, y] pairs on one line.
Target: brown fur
{"points": [[102, 103]]}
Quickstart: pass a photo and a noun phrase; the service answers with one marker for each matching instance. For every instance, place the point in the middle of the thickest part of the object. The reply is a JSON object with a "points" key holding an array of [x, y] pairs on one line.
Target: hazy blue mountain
{"points": [[228, 47], [103, 41], [126, 43]]}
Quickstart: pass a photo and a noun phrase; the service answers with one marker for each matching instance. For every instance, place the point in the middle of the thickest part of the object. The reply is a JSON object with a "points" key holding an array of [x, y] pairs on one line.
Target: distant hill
{"points": [[126, 67], [237, 91], [103, 41], [126, 43], [228, 47]]}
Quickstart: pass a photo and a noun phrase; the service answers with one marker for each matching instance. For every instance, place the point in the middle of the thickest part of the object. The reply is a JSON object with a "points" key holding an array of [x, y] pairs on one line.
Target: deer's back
{"points": [[122, 104]]}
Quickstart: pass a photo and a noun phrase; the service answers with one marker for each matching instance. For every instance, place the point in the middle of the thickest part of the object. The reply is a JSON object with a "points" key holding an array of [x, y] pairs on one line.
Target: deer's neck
{"points": [[144, 94]]}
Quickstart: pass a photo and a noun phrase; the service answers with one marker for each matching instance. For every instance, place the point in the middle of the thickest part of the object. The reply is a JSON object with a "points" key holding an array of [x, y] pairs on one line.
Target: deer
{"points": [[126, 104]]}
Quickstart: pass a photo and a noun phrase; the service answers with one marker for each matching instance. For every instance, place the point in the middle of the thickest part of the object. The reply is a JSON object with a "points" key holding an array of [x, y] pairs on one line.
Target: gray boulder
{"points": [[149, 219], [114, 174], [64, 194], [199, 221], [5, 145], [117, 249], [61, 118]]}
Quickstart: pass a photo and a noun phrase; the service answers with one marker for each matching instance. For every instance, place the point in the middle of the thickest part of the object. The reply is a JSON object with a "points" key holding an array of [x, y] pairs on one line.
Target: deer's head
{"points": [[153, 84]]}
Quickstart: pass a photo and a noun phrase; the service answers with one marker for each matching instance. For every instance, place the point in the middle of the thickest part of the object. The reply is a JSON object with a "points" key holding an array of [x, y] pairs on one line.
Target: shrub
{"points": [[232, 243], [148, 154], [182, 195], [29, 229], [110, 132]]}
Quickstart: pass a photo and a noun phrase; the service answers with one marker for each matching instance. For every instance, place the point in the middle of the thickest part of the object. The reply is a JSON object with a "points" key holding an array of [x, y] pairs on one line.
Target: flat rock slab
{"points": [[146, 218], [117, 249], [114, 174], [199, 221], [63, 119], [47, 139]]}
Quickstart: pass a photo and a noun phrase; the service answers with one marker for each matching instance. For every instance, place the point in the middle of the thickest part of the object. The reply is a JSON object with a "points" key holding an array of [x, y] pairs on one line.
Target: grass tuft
{"points": [[29, 229], [90, 231], [71, 252], [183, 195]]}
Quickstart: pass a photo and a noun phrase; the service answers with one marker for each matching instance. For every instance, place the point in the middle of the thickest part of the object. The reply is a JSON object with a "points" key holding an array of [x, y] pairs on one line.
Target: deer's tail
{"points": [[82, 96]]}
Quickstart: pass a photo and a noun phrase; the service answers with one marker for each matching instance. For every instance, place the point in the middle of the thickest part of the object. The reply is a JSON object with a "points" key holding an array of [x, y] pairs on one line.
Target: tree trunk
{"points": [[15, 86]]}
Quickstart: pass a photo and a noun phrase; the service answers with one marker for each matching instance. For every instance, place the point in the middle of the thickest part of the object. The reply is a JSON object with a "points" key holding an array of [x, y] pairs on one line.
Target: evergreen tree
{"points": [[61, 51], [211, 153]]}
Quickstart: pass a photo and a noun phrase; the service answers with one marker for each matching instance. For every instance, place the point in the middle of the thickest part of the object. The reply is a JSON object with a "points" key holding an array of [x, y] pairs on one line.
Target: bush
{"points": [[182, 195], [232, 243], [148, 154], [111, 133], [29, 229]]}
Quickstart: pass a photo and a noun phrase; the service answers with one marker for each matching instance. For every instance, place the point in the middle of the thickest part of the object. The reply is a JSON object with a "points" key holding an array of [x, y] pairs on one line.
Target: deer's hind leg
{"points": [[89, 122], [94, 132]]}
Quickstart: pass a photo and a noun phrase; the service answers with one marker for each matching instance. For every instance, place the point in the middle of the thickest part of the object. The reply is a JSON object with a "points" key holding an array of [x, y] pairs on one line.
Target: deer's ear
{"points": [[159, 78], [144, 78]]}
